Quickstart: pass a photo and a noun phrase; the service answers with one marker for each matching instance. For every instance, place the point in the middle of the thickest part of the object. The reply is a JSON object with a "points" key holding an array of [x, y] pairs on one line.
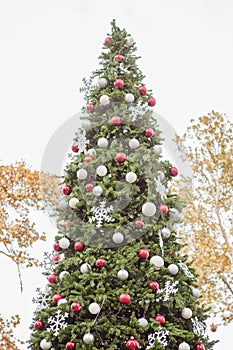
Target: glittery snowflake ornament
{"points": [[199, 328], [167, 290], [81, 141], [160, 188], [57, 322], [101, 214], [137, 111], [186, 270], [48, 263], [42, 298], [160, 336]]}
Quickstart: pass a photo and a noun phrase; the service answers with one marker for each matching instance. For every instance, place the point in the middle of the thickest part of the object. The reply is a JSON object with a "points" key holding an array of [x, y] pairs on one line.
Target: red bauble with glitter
{"points": [[56, 247], [121, 157], [142, 90], [90, 107], [200, 347], [138, 224], [132, 344], [89, 187], [119, 57], [154, 286], [52, 278], [70, 345], [124, 298], [78, 246], [100, 262], [66, 190], [119, 83], [160, 318], [56, 258], [151, 102], [76, 306], [173, 171], [149, 132], [107, 40], [163, 208], [88, 159], [38, 325], [75, 148], [143, 253], [56, 298], [116, 120]]}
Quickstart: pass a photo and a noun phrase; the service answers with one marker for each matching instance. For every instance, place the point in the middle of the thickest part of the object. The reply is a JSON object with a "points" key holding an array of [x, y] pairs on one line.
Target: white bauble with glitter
{"points": [[130, 41], [94, 308], [92, 152], [62, 301], [143, 322], [102, 82], [101, 170], [88, 338], [97, 191], [73, 202], [123, 274], [131, 177], [64, 243], [104, 100], [149, 209], [133, 143], [85, 268], [45, 345], [63, 274], [118, 238], [102, 142], [85, 123], [81, 174], [186, 313], [62, 205], [129, 97], [157, 149], [196, 292], [184, 346], [173, 269], [157, 261], [166, 232]]}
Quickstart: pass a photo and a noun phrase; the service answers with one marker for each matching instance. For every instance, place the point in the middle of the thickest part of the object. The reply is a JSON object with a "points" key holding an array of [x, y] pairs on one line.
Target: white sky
{"points": [[48, 46]]}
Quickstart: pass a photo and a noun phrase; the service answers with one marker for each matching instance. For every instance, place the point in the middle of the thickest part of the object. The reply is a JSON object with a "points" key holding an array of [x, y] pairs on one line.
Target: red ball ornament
{"points": [[56, 258], [124, 298], [88, 159], [76, 306], [154, 286], [56, 298], [78, 246], [121, 157], [119, 57], [138, 224], [38, 325], [52, 278], [66, 190], [173, 171], [119, 83], [132, 344], [160, 318], [151, 102], [116, 120], [70, 345], [90, 107], [56, 247], [107, 40], [213, 328], [149, 132], [100, 262], [163, 208], [75, 148], [89, 187], [143, 253], [200, 347], [142, 90]]}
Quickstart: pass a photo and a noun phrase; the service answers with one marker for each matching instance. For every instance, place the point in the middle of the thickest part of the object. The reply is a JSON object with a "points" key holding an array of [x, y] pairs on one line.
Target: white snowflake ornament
{"points": [[81, 140], [160, 188], [57, 322], [101, 214], [160, 336], [199, 328], [167, 290]]}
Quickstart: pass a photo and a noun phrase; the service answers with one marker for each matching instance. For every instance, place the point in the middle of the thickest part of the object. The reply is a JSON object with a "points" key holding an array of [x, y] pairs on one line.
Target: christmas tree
{"points": [[116, 278]]}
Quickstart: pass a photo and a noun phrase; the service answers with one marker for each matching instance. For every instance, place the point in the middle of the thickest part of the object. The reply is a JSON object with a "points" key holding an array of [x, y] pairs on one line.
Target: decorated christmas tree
{"points": [[116, 277]]}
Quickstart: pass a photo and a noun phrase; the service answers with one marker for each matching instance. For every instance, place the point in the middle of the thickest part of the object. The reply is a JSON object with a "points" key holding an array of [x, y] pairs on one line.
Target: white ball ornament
{"points": [[73, 202], [166, 232], [64, 243], [92, 152], [118, 238], [157, 261], [173, 269], [102, 82], [129, 97], [97, 191], [81, 174], [85, 123], [148, 209], [102, 142], [130, 41], [94, 308], [186, 313], [62, 205], [101, 170], [45, 345], [143, 322], [63, 274], [131, 177], [157, 149], [104, 100], [196, 292], [62, 301], [123, 275], [85, 268], [133, 143], [88, 338], [184, 346]]}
